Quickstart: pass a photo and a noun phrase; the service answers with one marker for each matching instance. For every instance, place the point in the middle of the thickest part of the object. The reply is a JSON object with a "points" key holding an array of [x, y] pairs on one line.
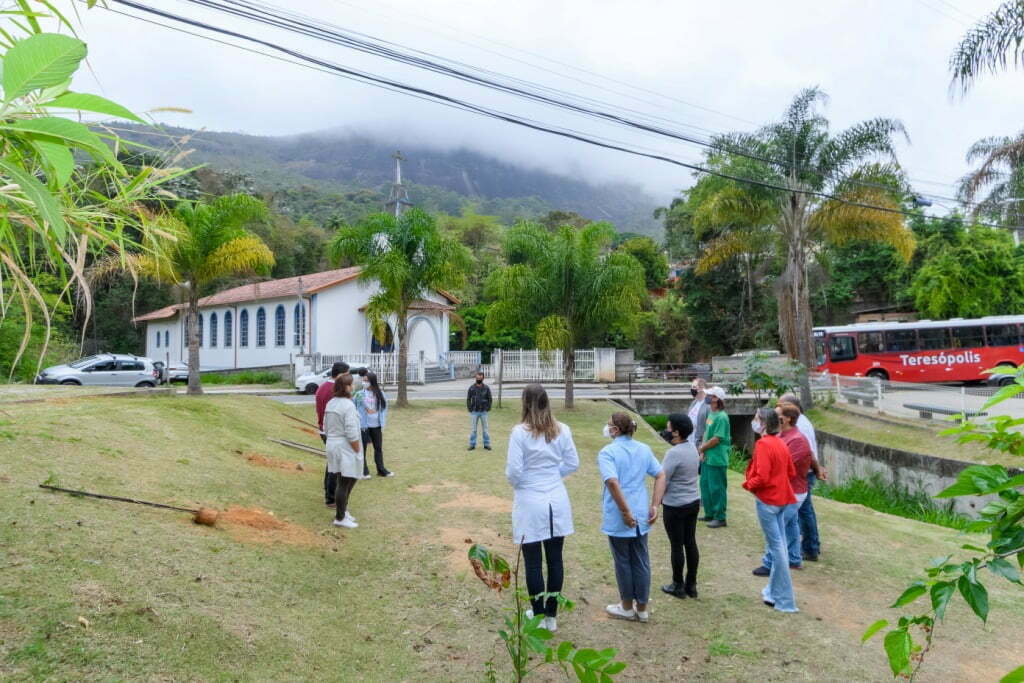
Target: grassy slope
{"points": [[916, 438], [393, 600]]}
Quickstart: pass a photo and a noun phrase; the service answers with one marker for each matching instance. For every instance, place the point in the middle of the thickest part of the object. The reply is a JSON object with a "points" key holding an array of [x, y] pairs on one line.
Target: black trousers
{"points": [[341, 493], [375, 436], [330, 483], [681, 527], [535, 576]]}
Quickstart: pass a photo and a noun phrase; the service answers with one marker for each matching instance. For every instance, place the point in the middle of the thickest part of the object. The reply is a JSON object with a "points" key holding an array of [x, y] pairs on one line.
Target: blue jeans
{"points": [[780, 584], [474, 420], [791, 524], [632, 567], [809, 520]]}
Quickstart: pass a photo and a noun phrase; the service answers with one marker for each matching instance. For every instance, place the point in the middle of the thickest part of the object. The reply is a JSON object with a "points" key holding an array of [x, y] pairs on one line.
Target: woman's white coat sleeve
{"points": [[514, 466], [570, 457]]}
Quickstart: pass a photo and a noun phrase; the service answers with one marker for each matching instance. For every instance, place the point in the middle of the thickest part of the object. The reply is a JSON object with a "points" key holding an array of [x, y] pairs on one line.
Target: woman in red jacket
{"points": [[768, 478]]}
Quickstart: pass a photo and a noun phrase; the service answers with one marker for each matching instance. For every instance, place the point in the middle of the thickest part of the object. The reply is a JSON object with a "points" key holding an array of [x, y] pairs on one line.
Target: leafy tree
{"points": [[54, 343], [408, 257], [566, 285], [990, 45], [677, 219], [655, 265], [59, 213], [298, 246], [979, 274], [665, 333], [482, 236], [479, 339], [801, 156], [209, 243], [118, 300], [1002, 172], [554, 220]]}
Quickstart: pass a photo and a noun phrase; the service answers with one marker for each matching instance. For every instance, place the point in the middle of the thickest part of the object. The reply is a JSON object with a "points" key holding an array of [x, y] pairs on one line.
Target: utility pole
{"points": [[399, 196]]}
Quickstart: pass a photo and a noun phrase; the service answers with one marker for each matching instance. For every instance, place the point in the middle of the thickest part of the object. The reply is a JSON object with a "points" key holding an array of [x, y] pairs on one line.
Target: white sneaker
{"points": [[528, 614], [349, 517], [642, 616], [616, 612], [347, 523], [550, 623], [366, 476]]}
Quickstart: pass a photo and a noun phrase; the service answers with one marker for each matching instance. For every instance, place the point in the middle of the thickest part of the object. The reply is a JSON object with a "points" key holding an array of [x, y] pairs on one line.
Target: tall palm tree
{"points": [[209, 242], [408, 257], [1002, 173], [991, 45], [818, 187], [567, 284]]}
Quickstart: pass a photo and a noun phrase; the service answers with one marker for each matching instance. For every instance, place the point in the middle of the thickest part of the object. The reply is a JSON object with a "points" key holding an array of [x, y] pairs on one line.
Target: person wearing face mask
{"points": [[698, 410], [373, 415], [624, 465], [714, 453], [323, 396], [769, 476], [478, 403], [681, 505]]}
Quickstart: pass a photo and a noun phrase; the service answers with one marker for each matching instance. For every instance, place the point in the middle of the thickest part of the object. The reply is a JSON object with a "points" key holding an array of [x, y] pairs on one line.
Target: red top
{"points": [[323, 396], [800, 450], [770, 472]]}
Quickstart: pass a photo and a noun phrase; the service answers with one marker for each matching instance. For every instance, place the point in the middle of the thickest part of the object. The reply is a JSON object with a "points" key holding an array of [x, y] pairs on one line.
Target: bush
{"points": [[659, 422], [244, 377], [893, 499]]}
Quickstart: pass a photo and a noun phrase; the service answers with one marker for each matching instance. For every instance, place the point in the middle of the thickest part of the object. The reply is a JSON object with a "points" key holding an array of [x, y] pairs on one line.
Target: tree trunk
{"points": [[195, 387], [795, 323], [403, 359], [569, 357]]}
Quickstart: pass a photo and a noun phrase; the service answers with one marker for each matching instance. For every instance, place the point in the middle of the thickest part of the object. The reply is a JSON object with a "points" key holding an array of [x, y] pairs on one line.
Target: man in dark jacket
{"points": [[478, 403]]}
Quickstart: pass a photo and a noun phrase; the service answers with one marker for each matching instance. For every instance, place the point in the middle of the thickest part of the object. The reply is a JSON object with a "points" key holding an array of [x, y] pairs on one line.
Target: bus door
{"points": [[842, 352]]}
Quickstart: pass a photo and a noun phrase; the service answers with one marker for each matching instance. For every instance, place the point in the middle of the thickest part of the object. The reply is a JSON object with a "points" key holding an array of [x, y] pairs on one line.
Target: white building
{"points": [[268, 323]]}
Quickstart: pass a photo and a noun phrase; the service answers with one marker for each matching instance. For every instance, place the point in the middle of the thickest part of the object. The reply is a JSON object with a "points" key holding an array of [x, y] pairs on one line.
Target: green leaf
{"points": [[614, 668], [36, 193], [873, 629], [1015, 676], [897, 649], [59, 158], [40, 61], [916, 590], [975, 595], [94, 103], [69, 131], [941, 593], [968, 546], [1004, 569], [564, 650], [975, 480]]}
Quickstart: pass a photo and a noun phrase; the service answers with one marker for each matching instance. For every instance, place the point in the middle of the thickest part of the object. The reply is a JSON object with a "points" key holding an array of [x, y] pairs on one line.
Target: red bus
{"points": [[956, 350]]}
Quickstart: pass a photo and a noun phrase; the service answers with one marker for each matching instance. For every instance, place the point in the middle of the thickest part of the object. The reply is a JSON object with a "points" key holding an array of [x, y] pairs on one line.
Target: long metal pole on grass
{"points": [[118, 498]]}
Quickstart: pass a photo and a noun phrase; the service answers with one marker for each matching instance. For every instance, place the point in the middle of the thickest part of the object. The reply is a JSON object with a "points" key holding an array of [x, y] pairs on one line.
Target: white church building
{"points": [[268, 324]]}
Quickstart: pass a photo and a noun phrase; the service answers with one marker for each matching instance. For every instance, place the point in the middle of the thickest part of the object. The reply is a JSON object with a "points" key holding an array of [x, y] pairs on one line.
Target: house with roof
{"points": [[266, 324]]}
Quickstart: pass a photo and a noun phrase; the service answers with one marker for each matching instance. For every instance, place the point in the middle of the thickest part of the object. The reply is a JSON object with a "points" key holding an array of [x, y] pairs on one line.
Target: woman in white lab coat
{"points": [[540, 454], [344, 447]]}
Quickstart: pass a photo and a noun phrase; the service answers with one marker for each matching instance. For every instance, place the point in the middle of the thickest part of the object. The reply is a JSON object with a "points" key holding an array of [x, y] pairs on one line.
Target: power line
{"points": [[507, 117]]}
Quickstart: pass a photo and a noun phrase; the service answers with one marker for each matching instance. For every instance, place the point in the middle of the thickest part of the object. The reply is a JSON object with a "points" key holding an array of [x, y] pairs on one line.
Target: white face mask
{"points": [[757, 425], [607, 432], [366, 384]]}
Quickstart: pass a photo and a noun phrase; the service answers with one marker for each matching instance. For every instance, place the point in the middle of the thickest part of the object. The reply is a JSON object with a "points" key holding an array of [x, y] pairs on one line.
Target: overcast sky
{"points": [[703, 66]]}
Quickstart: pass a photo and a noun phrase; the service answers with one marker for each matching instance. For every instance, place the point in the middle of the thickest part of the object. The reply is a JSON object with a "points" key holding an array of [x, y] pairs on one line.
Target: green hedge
{"points": [[244, 377]]}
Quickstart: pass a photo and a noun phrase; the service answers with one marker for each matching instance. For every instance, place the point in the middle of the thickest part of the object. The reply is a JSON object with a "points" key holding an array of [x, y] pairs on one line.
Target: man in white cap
{"points": [[714, 455]]}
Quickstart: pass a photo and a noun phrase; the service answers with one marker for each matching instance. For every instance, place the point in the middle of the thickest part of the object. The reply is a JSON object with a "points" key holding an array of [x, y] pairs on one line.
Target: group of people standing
{"points": [[350, 419]]}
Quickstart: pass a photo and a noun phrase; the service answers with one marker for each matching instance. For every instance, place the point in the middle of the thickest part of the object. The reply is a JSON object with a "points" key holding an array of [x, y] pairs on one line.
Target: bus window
{"points": [[901, 340], [967, 337], [840, 348], [870, 342], [1002, 335], [819, 351], [934, 338]]}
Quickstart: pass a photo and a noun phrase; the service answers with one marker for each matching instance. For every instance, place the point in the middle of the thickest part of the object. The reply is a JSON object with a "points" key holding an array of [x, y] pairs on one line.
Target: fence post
{"points": [[421, 371], [963, 404], [878, 384], [501, 369], [839, 389]]}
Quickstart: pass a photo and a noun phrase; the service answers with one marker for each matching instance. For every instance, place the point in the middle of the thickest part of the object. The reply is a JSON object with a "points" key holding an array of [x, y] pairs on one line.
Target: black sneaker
{"points": [[691, 592], [762, 571], [471, 448], [810, 558], [705, 518], [487, 448], [674, 589], [717, 524]]}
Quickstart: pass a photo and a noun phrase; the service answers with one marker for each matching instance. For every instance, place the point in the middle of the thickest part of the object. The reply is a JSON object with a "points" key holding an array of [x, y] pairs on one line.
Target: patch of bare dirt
{"points": [[252, 525], [465, 498], [92, 595], [442, 414], [261, 460], [460, 540]]}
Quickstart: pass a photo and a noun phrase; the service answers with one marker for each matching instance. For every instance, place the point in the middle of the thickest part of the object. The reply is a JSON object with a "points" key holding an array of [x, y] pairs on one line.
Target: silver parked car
{"points": [[104, 369]]}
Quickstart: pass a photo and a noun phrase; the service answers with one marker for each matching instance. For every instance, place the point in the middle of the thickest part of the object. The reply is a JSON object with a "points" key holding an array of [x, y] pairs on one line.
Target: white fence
{"points": [[913, 400], [533, 365], [384, 365]]}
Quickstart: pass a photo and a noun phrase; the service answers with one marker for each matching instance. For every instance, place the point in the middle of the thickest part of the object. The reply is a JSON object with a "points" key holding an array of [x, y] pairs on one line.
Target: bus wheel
{"points": [[880, 375], [1007, 379]]}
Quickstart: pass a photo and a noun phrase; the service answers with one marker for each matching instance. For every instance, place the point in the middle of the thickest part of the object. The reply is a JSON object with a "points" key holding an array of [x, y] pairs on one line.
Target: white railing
{"points": [[533, 365], [911, 400], [463, 359], [384, 365]]}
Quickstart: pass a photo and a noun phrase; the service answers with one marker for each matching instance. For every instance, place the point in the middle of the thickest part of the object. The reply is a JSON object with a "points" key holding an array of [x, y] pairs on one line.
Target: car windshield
{"points": [[82, 361]]}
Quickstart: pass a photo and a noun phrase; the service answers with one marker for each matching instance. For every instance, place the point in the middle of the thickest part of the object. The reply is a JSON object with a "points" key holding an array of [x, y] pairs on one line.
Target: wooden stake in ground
{"points": [[301, 421], [297, 446], [205, 516]]}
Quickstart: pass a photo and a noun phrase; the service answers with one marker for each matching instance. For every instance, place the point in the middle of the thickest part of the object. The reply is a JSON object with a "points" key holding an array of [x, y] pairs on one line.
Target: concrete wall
{"points": [[848, 459], [625, 361], [604, 365]]}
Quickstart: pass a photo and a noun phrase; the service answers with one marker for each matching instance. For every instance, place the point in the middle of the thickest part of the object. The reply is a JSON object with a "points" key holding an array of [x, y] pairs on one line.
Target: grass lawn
{"points": [[295, 598], [919, 437]]}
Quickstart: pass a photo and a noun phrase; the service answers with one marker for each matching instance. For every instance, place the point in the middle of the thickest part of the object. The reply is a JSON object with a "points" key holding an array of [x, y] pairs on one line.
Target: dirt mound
{"points": [[261, 460], [465, 497], [252, 525]]}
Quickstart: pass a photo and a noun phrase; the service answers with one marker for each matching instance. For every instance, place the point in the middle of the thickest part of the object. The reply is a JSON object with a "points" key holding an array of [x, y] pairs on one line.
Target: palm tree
{"points": [[567, 284], [1002, 172], [407, 256], [992, 44], [817, 188], [209, 242]]}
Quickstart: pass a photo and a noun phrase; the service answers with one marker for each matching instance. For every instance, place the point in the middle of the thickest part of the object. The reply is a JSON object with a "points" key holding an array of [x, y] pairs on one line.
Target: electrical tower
{"points": [[399, 197]]}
